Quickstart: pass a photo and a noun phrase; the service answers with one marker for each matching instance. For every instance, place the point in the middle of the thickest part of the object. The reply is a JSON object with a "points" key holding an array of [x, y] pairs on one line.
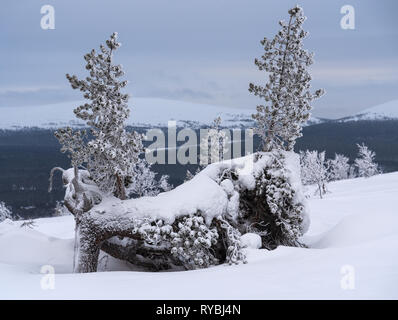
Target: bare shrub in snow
{"points": [[365, 164], [28, 224], [339, 167], [314, 170], [287, 93]]}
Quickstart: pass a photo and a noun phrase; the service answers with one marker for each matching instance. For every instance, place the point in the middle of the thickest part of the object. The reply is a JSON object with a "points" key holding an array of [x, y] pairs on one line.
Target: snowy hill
{"points": [[355, 226], [385, 111], [145, 112]]}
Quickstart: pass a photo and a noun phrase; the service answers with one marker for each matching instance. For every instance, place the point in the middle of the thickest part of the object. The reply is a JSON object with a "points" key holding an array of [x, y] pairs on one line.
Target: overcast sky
{"points": [[197, 50]]}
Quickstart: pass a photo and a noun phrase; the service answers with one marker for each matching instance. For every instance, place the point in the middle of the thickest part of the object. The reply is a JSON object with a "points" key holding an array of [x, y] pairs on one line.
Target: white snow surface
{"points": [[356, 224], [145, 112]]}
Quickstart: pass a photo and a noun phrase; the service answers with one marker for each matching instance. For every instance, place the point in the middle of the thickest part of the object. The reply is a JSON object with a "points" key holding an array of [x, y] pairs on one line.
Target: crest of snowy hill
{"points": [[385, 111], [145, 112]]}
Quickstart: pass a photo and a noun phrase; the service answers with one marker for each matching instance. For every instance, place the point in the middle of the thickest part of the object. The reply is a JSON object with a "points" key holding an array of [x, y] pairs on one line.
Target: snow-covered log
{"points": [[200, 222]]}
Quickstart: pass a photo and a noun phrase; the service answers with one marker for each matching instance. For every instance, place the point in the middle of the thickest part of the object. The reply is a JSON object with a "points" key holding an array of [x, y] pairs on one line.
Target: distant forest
{"points": [[27, 156]]}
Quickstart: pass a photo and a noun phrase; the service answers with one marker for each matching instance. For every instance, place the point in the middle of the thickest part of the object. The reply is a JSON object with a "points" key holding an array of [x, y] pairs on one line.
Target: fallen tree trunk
{"points": [[195, 225]]}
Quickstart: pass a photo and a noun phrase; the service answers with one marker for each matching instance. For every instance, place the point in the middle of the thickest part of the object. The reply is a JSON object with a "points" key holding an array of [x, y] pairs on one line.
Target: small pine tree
{"points": [[314, 170], [287, 93], [189, 175], [74, 145], [113, 152], [5, 212], [164, 184], [365, 164], [214, 145], [339, 167], [145, 183]]}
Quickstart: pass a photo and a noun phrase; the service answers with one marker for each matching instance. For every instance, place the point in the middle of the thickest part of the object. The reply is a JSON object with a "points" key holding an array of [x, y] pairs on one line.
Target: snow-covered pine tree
{"points": [[113, 151], [145, 183], [339, 167], [214, 145], [189, 175], [5, 212], [314, 170], [287, 93], [272, 208], [364, 163], [164, 184]]}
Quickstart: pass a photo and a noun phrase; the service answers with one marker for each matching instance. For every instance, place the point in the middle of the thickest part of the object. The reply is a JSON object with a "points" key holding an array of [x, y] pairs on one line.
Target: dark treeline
{"points": [[27, 156]]}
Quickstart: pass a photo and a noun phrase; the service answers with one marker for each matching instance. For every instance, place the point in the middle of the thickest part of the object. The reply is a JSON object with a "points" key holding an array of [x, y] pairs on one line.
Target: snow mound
{"points": [[251, 241], [353, 231], [26, 246]]}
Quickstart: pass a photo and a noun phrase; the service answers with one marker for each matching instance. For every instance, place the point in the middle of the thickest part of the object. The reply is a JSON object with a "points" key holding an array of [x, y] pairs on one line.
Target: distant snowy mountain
{"points": [[385, 111], [145, 112]]}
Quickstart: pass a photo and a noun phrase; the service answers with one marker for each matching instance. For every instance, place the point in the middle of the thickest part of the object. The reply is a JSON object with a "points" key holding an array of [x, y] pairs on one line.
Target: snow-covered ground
{"points": [[353, 237]]}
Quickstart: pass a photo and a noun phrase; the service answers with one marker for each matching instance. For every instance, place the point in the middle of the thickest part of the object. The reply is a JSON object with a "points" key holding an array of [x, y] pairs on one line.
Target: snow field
{"points": [[355, 225]]}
